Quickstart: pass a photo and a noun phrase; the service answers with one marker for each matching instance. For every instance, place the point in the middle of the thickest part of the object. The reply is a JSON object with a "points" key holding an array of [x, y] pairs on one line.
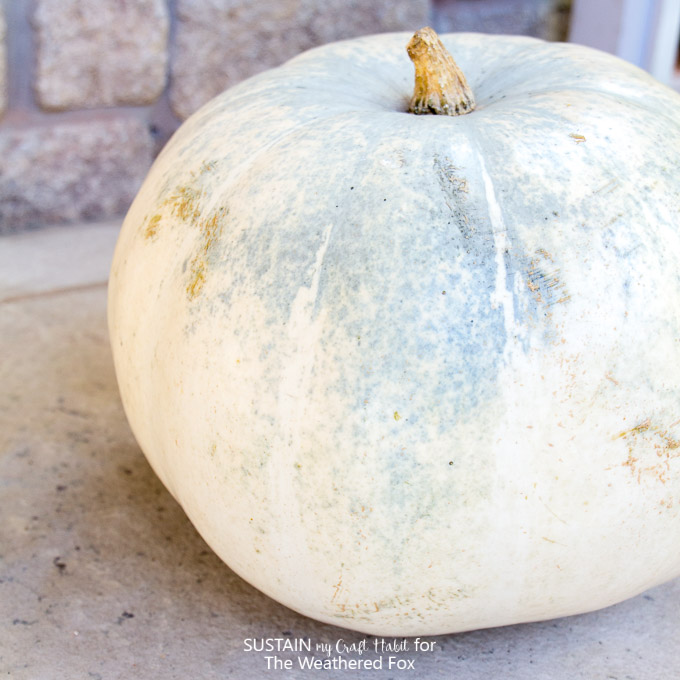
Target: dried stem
{"points": [[440, 87]]}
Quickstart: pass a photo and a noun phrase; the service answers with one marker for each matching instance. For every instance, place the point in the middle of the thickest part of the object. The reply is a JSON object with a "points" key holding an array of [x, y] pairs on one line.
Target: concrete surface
{"points": [[101, 574]]}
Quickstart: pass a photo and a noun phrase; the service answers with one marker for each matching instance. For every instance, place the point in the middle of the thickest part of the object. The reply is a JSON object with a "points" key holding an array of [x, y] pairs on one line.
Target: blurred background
{"points": [[90, 90]]}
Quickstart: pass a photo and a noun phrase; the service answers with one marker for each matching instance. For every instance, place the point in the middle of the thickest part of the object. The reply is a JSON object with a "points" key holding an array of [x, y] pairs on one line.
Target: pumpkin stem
{"points": [[440, 87]]}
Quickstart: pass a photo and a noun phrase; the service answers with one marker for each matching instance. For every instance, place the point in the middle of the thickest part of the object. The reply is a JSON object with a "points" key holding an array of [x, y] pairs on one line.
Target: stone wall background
{"points": [[90, 90]]}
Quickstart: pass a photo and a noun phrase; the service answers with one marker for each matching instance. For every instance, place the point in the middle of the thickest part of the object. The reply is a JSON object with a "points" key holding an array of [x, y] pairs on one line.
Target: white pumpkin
{"points": [[417, 374]]}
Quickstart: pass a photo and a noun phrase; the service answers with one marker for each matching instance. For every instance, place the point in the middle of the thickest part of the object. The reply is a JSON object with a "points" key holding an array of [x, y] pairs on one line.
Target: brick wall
{"points": [[91, 89]]}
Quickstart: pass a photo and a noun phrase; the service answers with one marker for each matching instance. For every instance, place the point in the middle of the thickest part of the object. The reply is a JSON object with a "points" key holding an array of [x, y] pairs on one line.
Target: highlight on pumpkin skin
{"points": [[441, 87]]}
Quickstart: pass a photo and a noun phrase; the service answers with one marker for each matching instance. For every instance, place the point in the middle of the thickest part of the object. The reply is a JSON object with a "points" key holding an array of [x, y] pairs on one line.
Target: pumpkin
{"points": [[417, 374]]}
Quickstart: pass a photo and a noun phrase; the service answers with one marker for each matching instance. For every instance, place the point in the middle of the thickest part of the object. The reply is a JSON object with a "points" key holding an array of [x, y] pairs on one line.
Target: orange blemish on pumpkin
{"points": [[183, 202], [186, 202], [664, 445], [207, 166], [642, 427], [152, 227], [337, 587], [197, 280], [211, 230]]}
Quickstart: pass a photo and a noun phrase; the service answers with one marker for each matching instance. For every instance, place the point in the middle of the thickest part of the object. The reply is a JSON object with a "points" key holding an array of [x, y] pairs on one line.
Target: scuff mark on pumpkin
{"points": [[546, 286], [579, 139], [551, 511], [609, 186], [454, 189], [550, 540]]}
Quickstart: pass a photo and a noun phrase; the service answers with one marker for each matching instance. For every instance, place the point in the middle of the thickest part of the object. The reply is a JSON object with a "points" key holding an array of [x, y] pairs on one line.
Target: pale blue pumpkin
{"points": [[416, 374]]}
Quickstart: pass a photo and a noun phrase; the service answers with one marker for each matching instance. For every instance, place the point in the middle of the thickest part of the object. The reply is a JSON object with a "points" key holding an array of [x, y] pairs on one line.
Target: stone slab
{"points": [[56, 259], [100, 52], [102, 575], [221, 43], [71, 171]]}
